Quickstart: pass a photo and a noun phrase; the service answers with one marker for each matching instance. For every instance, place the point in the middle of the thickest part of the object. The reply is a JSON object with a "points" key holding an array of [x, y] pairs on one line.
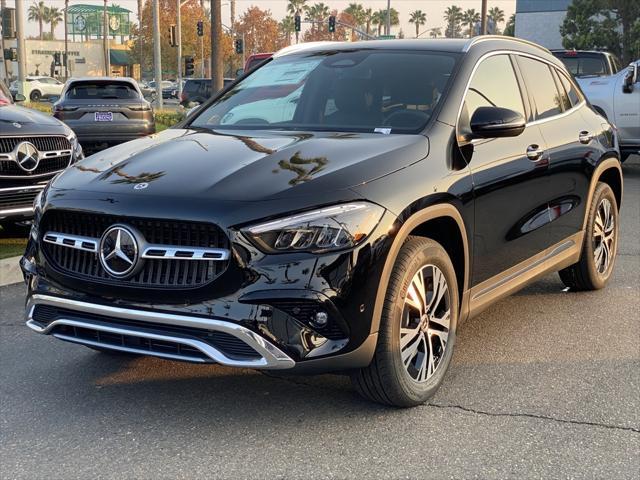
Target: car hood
{"points": [[20, 121], [241, 166]]}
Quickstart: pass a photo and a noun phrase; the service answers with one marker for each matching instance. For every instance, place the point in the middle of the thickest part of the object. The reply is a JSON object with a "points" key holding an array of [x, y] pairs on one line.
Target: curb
{"points": [[10, 271]]}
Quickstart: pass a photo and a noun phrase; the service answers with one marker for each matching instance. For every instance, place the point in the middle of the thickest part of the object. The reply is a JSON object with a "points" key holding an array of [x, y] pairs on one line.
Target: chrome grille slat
{"points": [[207, 257]]}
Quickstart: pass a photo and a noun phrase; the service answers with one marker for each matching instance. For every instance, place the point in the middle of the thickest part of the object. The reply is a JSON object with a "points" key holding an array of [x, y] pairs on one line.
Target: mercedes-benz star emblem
{"points": [[27, 156], [119, 251], [17, 125]]}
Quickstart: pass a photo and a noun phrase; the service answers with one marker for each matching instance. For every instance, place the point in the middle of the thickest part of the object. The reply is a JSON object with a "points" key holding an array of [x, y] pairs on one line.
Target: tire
{"points": [[388, 379], [590, 273], [35, 96]]}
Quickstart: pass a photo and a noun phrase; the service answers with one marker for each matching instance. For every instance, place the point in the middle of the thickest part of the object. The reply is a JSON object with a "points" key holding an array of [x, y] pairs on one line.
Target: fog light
{"points": [[320, 319]]}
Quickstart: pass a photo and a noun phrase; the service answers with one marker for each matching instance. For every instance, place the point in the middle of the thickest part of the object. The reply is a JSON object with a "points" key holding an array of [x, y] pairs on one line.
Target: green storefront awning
{"points": [[119, 57]]}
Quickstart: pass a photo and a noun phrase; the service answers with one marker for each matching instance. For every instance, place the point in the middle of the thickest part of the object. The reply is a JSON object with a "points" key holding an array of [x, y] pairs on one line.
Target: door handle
{"points": [[534, 152], [584, 137]]}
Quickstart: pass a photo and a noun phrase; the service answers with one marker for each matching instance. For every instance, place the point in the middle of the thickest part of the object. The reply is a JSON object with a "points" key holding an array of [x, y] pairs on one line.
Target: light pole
{"points": [[157, 60], [216, 47], [66, 41], [179, 40], [107, 60], [22, 50], [388, 25], [483, 21]]}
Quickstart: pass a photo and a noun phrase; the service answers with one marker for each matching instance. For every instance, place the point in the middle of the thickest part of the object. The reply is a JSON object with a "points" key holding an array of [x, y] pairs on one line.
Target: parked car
{"points": [[104, 111], [40, 88], [588, 63], [33, 148], [415, 183], [198, 90], [617, 98], [168, 87]]}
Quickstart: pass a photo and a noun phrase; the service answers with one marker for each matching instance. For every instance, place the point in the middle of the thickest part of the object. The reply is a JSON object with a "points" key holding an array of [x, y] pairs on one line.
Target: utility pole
{"points": [[388, 25], [216, 46], [179, 39], [157, 60], [483, 21], [66, 41], [2, 33], [22, 50], [105, 40], [140, 36]]}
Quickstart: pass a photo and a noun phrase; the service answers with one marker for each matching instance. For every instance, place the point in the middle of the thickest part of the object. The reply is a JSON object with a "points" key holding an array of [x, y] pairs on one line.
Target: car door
{"points": [[571, 140], [626, 107], [509, 175]]}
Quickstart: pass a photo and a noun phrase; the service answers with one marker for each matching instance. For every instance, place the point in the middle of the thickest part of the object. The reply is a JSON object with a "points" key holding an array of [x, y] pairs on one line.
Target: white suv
{"points": [[39, 87]]}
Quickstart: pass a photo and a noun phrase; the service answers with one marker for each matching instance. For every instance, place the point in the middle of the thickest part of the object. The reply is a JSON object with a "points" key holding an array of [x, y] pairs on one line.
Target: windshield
{"points": [[585, 66], [363, 90], [101, 90]]}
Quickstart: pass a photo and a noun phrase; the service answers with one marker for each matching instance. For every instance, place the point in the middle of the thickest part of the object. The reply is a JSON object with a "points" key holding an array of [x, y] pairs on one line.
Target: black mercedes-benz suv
{"points": [[341, 208], [33, 148]]}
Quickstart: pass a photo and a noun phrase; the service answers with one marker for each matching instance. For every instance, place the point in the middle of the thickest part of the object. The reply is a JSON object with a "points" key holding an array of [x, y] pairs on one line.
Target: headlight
{"points": [[76, 149], [331, 228]]}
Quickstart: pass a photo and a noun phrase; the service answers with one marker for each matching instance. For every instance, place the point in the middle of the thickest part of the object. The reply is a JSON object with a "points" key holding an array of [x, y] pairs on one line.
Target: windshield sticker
{"points": [[283, 74], [383, 130]]}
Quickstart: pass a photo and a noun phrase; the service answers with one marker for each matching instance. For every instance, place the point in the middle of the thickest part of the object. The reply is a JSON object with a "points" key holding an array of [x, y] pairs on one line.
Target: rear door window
{"points": [[541, 85]]}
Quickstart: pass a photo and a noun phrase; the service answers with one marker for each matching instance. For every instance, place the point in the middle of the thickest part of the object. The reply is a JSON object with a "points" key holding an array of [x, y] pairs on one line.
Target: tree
{"points": [[286, 28], [419, 18], [510, 28], [470, 18], [53, 16], [260, 30], [453, 17], [378, 19], [606, 24], [296, 7], [435, 32], [38, 13], [496, 15], [356, 11], [316, 13]]}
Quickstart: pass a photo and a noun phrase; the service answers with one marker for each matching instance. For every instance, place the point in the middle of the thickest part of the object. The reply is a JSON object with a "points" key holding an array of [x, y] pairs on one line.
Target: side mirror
{"points": [[494, 122], [18, 97], [630, 78]]}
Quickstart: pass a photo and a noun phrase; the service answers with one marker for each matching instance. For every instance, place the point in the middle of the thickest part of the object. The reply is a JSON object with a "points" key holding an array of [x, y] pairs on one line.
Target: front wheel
{"points": [[417, 328], [35, 96], [600, 244]]}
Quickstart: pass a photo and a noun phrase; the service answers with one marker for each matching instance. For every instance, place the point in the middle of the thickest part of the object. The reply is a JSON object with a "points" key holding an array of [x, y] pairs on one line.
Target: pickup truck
{"points": [[617, 98]]}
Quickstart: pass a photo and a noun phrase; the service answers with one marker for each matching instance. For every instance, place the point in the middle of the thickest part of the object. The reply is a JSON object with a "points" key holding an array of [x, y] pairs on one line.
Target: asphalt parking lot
{"points": [[545, 384]]}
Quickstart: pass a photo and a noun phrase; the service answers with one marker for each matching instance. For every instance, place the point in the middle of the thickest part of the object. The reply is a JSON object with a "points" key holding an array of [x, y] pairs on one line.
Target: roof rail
{"points": [[482, 38]]}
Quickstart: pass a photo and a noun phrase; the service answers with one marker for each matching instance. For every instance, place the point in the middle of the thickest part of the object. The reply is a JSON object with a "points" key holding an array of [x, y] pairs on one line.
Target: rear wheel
{"points": [[417, 328], [35, 96], [600, 244]]}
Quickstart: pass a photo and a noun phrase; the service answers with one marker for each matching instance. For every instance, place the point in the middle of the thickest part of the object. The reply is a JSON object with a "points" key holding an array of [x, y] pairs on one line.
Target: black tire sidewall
{"points": [[598, 280], [428, 252], [35, 96]]}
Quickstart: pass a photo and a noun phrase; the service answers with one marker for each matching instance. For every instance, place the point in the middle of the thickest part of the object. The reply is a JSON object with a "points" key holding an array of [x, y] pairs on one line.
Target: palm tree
{"points": [[496, 15], [419, 18], [379, 18], [470, 18], [356, 11], [317, 13], [53, 15], [37, 13], [510, 27], [287, 27], [435, 32], [453, 17], [297, 7], [367, 20]]}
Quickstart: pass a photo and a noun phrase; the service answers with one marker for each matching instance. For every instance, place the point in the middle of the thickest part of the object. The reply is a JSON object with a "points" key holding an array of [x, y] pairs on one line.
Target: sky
{"points": [[433, 8]]}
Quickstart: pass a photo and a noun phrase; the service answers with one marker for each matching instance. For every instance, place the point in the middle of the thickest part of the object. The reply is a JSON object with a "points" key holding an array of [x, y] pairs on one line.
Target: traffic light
{"points": [[332, 24], [56, 59], [172, 36], [200, 28], [296, 22], [238, 45], [189, 66]]}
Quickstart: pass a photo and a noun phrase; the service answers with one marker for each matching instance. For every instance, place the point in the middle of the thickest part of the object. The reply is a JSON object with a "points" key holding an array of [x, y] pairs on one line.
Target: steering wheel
{"points": [[411, 118]]}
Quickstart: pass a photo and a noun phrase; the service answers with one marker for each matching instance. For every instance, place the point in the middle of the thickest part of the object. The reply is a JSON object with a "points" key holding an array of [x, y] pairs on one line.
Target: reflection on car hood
{"points": [[242, 166], [31, 122]]}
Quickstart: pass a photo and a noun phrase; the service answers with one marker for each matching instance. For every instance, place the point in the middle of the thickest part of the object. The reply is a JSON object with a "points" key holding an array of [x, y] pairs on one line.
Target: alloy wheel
{"points": [[426, 319], [604, 233]]}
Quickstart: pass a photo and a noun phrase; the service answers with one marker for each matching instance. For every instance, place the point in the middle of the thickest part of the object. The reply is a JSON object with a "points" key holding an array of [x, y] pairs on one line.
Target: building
{"points": [[539, 21]]}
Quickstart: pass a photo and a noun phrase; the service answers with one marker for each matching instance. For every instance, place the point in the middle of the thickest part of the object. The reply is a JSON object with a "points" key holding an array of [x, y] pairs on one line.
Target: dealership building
{"points": [[539, 21]]}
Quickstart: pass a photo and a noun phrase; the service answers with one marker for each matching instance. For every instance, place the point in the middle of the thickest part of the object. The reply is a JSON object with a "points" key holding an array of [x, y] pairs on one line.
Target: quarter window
{"points": [[494, 84], [570, 88], [541, 85]]}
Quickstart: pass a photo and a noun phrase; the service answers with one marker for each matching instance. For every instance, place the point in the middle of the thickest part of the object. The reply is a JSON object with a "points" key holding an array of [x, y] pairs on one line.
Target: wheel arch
{"points": [[443, 223], [608, 171]]}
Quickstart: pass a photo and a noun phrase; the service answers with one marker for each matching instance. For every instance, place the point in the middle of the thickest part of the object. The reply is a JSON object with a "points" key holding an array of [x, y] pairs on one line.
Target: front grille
{"points": [[226, 343], [17, 198], [46, 165], [155, 273], [43, 144]]}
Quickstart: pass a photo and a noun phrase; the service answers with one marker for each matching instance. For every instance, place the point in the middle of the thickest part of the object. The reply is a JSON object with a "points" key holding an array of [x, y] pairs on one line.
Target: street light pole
{"points": [[388, 25], [22, 50], [179, 40], [105, 40], [216, 45], [157, 60], [66, 41], [483, 22]]}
